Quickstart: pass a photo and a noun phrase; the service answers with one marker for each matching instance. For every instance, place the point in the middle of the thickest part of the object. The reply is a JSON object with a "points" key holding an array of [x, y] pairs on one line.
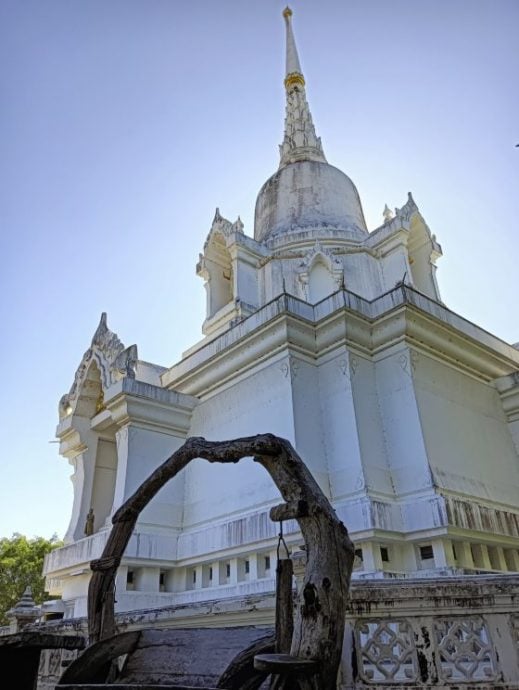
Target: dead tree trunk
{"points": [[320, 611]]}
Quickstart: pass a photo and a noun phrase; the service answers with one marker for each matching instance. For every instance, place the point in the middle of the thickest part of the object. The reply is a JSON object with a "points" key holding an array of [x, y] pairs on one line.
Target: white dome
{"points": [[308, 195]]}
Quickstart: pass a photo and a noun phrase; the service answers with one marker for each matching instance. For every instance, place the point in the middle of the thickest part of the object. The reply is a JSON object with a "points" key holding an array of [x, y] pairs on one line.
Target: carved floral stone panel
{"points": [[386, 651], [464, 649]]}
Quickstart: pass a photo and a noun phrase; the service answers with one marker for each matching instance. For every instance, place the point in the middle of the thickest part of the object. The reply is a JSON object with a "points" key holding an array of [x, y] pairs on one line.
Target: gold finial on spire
{"points": [[294, 78], [294, 74]]}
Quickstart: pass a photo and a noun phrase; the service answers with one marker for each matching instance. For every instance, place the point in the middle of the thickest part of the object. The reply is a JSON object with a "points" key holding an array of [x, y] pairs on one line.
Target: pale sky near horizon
{"points": [[123, 125]]}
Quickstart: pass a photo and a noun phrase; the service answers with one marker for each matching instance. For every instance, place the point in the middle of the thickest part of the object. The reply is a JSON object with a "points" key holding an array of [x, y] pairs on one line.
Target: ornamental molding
{"points": [[408, 362], [342, 365], [114, 362], [280, 254], [290, 367]]}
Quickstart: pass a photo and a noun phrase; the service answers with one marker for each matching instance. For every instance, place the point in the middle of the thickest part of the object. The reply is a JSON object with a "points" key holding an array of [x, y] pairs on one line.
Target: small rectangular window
{"points": [[210, 572], [358, 554], [228, 569], [426, 552], [129, 577], [384, 554], [267, 562], [247, 567], [194, 576], [162, 578]]}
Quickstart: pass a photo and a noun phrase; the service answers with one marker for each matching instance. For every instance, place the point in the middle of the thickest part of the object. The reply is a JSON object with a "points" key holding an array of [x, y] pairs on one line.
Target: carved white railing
{"points": [[435, 634], [458, 632]]}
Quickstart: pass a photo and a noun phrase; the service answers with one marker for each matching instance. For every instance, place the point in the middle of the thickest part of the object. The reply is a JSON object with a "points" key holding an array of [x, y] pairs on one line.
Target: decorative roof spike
{"points": [[26, 602], [300, 142], [387, 213]]}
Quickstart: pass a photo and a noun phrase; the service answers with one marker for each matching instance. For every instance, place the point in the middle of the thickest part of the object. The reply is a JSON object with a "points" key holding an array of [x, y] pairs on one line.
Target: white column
{"points": [[464, 553], [233, 579], [176, 580], [147, 579], [481, 558], [498, 561], [253, 566], [199, 577], [273, 562], [224, 568], [512, 559], [443, 554], [216, 581], [408, 559], [120, 579], [371, 556]]}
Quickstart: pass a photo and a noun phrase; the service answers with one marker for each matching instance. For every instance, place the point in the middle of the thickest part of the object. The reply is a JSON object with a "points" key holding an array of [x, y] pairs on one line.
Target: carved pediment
{"points": [[408, 209], [319, 253], [223, 227], [113, 360]]}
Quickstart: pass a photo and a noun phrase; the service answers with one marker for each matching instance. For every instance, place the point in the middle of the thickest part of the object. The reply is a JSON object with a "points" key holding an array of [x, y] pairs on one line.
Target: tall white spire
{"points": [[300, 142]]}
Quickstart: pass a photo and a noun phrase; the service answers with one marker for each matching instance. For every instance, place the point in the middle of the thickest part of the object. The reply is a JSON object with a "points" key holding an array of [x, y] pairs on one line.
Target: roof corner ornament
{"points": [[388, 214], [411, 201], [237, 226], [125, 364]]}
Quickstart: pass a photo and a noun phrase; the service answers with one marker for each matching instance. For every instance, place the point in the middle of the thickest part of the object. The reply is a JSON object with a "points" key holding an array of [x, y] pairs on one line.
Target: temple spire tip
{"points": [[300, 141]]}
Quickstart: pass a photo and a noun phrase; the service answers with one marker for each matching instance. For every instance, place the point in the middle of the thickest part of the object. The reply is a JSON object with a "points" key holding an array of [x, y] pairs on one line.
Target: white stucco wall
{"points": [[141, 451], [469, 446], [259, 403], [362, 275]]}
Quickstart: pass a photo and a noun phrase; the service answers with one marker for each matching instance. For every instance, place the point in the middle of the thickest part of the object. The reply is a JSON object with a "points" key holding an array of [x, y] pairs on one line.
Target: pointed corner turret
{"points": [[300, 141]]}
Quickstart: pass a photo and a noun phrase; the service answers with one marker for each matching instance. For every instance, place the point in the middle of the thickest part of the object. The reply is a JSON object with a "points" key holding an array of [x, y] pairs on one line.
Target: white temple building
{"points": [[334, 337]]}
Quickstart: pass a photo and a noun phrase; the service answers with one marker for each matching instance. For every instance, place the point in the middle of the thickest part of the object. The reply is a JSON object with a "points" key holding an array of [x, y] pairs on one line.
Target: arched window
{"points": [[320, 282], [218, 274]]}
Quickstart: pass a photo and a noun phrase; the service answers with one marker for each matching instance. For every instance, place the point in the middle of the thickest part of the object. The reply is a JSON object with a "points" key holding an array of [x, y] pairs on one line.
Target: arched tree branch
{"points": [[320, 611]]}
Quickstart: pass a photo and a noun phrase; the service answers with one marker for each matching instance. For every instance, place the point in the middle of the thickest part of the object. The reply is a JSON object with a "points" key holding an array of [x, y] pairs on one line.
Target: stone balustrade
{"points": [[460, 632], [437, 633]]}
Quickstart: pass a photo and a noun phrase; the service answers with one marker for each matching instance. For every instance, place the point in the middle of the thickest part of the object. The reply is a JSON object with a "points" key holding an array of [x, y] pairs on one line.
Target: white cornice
{"points": [[131, 401], [344, 319], [508, 388]]}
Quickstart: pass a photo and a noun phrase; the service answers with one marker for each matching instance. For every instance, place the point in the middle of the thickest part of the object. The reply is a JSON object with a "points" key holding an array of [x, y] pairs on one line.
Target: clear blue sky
{"points": [[123, 124]]}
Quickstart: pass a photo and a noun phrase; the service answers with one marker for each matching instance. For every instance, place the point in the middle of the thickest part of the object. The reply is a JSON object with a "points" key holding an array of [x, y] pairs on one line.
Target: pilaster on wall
{"points": [[308, 423], [369, 427], [402, 429], [341, 436]]}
